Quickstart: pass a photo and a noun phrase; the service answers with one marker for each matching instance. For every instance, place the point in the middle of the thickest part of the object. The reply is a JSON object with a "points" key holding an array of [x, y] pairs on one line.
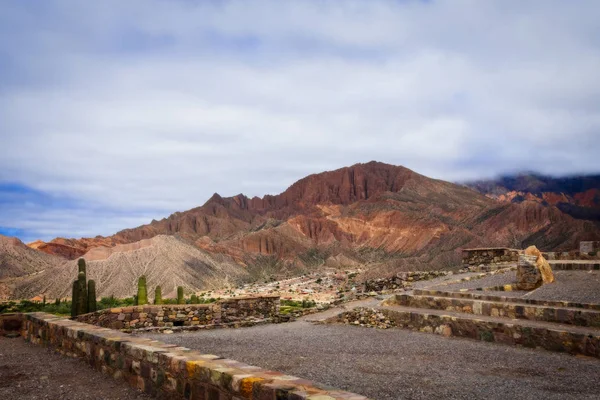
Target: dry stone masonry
{"points": [[491, 255], [402, 280], [167, 371], [589, 248], [480, 329], [228, 312], [499, 308]]}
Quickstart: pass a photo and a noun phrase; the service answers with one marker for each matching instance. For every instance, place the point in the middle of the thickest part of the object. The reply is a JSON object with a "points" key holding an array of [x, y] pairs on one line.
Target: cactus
{"points": [[81, 265], [135, 300], [74, 299], [92, 306], [82, 301], [158, 295], [142, 293], [180, 299]]}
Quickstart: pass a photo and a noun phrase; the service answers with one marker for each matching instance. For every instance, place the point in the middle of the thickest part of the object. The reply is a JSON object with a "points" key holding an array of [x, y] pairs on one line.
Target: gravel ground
{"points": [[488, 281], [401, 364], [513, 293], [442, 279], [30, 372], [577, 286]]}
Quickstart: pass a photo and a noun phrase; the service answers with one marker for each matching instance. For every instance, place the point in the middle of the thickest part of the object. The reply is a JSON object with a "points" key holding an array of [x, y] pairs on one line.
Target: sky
{"points": [[117, 112]]}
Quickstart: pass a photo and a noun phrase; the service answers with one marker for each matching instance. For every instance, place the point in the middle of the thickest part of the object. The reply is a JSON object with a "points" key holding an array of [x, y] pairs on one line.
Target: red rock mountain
{"points": [[384, 216], [578, 196]]}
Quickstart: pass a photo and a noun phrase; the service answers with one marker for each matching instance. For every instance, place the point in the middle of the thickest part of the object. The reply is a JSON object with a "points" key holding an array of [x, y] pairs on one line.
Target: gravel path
{"points": [[401, 364], [442, 279], [577, 286], [29, 372], [487, 281]]}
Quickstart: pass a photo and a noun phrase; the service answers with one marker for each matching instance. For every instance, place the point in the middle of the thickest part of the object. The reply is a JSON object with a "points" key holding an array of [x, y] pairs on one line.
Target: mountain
{"points": [[165, 260], [17, 261], [381, 217], [578, 196]]}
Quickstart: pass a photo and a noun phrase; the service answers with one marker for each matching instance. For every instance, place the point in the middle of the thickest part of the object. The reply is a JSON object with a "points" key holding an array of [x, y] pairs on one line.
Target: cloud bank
{"points": [[113, 113]]}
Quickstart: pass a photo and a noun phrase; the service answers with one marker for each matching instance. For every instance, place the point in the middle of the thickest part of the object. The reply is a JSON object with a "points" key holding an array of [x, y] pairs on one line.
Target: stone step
{"points": [[506, 299], [577, 265], [562, 315], [535, 334]]}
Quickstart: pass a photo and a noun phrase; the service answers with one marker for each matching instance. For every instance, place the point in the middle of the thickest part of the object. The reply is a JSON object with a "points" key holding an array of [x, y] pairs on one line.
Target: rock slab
{"points": [[533, 270]]}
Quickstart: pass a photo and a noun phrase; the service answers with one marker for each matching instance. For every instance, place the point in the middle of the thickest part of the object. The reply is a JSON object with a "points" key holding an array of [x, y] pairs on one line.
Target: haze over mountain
{"points": [[578, 196], [382, 217]]}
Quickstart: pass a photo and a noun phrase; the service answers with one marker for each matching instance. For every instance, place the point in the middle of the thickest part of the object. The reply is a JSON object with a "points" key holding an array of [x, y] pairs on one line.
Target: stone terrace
{"points": [[400, 364]]}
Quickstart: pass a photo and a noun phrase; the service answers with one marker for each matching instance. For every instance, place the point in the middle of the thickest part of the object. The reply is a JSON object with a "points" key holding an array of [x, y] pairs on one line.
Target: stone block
{"points": [[529, 276]]}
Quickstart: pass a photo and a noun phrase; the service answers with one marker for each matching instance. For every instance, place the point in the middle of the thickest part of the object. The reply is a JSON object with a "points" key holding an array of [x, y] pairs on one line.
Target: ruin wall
{"points": [[165, 370], [233, 311]]}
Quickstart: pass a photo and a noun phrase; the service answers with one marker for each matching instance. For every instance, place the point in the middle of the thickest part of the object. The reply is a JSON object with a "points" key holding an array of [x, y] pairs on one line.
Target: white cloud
{"points": [[145, 105]]}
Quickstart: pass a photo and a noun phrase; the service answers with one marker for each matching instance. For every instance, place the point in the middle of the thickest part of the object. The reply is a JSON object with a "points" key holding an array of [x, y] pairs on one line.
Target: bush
{"points": [[62, 308]]}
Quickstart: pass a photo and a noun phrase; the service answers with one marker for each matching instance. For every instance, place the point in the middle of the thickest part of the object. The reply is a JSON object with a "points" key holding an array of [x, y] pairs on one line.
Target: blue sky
{"points": [[113, 112]]}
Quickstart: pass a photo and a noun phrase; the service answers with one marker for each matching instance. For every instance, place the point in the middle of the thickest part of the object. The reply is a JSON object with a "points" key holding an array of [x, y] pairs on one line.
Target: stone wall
{"points": [[401, 280], [165, 370], [499, 332], [492, 255], [10, 323], [578, 317], [589, 247], [233, 311], [590, 265], [486, 297]]}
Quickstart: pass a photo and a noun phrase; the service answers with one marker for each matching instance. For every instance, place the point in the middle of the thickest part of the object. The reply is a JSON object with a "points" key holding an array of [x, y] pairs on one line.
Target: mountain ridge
{"points": [[578, 196], [379, 217]]}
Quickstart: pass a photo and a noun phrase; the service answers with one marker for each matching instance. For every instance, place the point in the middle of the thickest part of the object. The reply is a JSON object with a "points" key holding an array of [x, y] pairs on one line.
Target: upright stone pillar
{"points": [[529, 276]]}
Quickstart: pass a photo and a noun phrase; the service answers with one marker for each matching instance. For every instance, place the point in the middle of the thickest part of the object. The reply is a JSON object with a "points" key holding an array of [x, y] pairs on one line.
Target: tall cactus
{"points": [[75, 299], [180, 299], [158, 295], [82, 301], [92, 306], [81, 265], [142, 293]]}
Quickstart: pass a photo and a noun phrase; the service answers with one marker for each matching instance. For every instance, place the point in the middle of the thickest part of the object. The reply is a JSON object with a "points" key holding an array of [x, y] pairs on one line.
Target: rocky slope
{"points": [[165, 260], [18, 262], [382, 217], [16, 259], [578, 196]]}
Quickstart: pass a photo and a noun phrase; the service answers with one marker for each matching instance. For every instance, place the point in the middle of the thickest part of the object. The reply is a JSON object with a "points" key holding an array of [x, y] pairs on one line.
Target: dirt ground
{"points": [[401, 364], [32, 372]]}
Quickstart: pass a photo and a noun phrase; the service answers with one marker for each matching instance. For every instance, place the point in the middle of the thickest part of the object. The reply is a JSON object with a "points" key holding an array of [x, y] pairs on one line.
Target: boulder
{"points": [[542, 265], [533, 270]]}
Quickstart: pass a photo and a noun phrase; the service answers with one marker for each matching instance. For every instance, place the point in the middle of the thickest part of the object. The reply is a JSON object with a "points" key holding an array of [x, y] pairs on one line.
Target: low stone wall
{"points": [[401, 280], [578, 317], [589, 247], [479, 296], [10, 323], [491, 255], [569, 266], [167, 371], [500, 332], [234, 311]]}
